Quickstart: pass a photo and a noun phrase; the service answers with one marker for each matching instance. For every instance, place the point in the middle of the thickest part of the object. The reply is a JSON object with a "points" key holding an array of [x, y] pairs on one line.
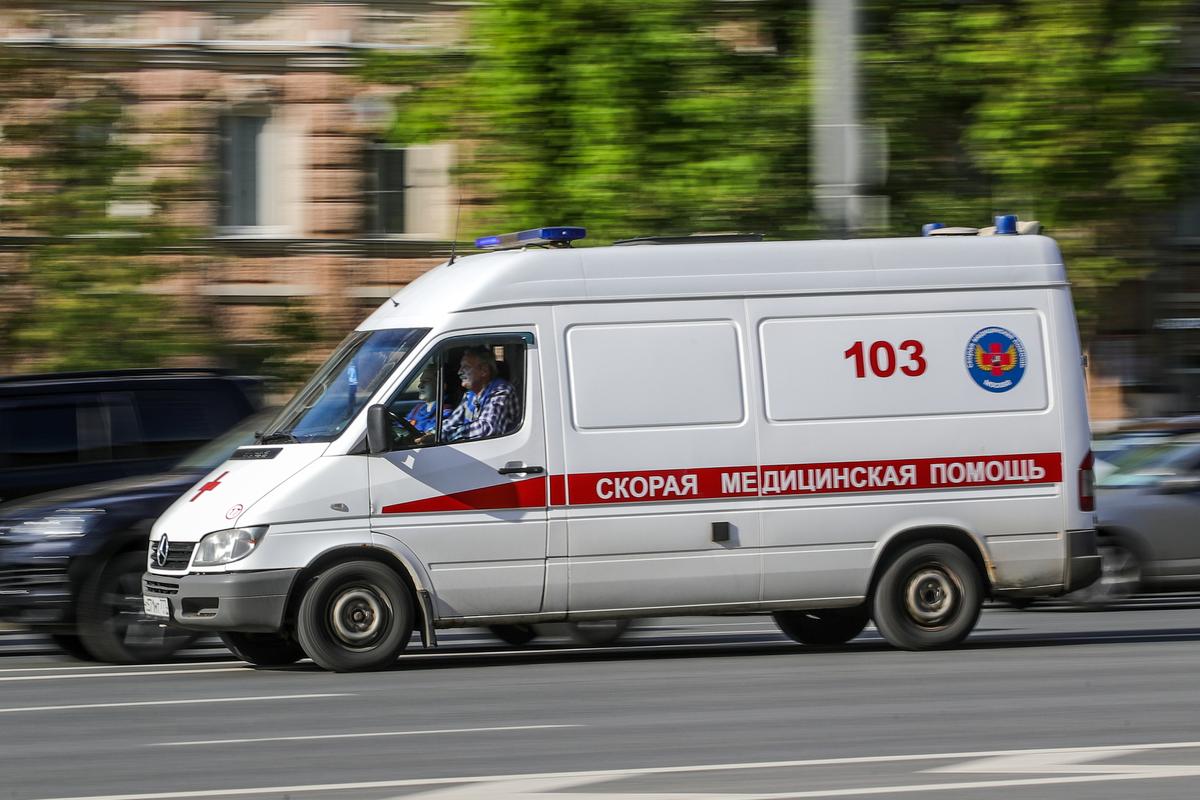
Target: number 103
{"points": [[881, 358]]}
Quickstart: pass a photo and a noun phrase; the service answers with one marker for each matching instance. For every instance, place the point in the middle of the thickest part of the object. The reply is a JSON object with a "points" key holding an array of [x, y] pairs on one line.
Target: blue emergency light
{"points": [[553, 237], [1006, 225]]}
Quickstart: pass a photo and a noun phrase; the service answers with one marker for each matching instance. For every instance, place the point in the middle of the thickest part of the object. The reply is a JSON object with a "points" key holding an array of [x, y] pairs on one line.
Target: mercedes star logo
{"points": [[161, 551]]}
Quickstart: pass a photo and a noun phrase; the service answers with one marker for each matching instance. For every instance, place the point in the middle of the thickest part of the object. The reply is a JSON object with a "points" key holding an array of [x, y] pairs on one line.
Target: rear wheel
{"points": [[263, 649], [828, 626], [112, 624], [355, 616], [514, 634], [597, 632], [928, 597]]}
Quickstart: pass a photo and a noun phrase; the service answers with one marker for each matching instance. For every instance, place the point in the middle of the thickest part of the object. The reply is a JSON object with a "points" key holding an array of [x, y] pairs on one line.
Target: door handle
{"points": [[517, 468]]}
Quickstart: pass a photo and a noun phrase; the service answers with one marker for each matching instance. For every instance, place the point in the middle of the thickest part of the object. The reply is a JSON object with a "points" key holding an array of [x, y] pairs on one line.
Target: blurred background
{"points": [[227, 184], [199, 198]]}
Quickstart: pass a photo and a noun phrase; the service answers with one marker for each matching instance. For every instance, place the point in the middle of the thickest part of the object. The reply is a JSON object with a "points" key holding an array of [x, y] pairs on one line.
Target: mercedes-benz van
{"points": [[831, 432]]}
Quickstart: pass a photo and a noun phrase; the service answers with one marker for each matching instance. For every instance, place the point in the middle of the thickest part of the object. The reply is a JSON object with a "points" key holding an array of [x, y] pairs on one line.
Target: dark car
{"points": [[71, 561], [1149, 518], [68, 429]]}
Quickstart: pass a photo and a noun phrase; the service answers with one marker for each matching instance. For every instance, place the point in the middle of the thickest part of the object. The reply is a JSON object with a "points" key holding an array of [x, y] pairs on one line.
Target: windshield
{"points": [[207, 456], [342, 386], [1146, 466]]}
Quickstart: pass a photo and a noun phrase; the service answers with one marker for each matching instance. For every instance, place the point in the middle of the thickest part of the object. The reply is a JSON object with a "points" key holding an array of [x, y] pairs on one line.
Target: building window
{"points": [[386, 188], [240, 147], [408, 190]]}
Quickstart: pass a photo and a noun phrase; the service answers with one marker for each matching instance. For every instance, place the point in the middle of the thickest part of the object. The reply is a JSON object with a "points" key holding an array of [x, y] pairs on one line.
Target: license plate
{"points": [[156, 606]]}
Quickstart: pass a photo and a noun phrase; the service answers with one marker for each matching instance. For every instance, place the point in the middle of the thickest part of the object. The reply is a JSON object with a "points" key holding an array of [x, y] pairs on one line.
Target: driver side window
{"points": [[472, 386]]}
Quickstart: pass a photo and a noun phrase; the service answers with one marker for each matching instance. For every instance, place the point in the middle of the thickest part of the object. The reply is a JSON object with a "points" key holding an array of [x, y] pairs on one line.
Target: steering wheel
{"points": [[404, 423]]}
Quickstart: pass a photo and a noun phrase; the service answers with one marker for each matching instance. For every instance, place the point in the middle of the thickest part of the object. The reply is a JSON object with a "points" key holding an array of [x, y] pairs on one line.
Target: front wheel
{"points": [[823, 627], [928, 597], [354, 617], [112, 624], [263, 649]]}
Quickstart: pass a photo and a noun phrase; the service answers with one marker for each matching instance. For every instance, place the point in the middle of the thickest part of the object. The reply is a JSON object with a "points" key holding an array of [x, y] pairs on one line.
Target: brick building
{"points": [[305, 202]]}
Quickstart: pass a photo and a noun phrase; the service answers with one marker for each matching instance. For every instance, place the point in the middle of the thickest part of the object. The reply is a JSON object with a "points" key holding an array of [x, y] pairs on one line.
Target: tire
{"points": [[112, 625], [263, 649], [70, 644], [599, 632], [514, 634], [823, 627], [355, 617], [928, 597], [1120, 577]]}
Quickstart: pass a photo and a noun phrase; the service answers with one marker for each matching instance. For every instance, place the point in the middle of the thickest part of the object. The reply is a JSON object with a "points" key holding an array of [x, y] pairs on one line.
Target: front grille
{"points": [[45, 580], [160, 587], [179, 555]]}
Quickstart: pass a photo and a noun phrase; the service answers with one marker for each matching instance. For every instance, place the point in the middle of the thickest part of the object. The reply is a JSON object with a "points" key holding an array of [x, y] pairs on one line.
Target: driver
{"points": [[490, 406], [423, 415]]}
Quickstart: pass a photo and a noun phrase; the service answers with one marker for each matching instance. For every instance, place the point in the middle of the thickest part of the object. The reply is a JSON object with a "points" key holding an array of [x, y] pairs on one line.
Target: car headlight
{"points": [[62, 523], [222, 547]]}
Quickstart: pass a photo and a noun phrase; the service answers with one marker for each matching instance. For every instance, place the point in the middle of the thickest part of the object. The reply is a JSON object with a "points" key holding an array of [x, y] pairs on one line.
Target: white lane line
{"points": [[172, 702], [97, 667], [243, 668], [361, 735], [618, 773]]}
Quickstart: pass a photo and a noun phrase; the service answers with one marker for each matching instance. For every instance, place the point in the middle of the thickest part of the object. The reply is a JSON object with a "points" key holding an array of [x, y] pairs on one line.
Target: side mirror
{"points": [[1179, 484], [379, 431]]}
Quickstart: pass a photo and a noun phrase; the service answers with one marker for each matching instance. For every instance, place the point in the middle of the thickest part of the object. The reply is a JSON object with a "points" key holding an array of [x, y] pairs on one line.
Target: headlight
{"points": [[222, 547], [64, 523]]}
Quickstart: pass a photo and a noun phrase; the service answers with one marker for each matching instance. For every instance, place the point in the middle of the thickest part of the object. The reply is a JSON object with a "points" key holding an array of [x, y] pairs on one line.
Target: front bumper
{"points": [[1083, 560], [36, 591], [250, 602]]}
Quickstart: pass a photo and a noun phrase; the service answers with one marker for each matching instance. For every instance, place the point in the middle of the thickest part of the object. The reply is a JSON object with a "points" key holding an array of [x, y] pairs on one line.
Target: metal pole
{"points": [[837, 132]]}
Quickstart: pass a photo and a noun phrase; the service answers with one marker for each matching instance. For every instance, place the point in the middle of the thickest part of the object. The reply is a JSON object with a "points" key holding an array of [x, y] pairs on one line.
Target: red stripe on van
{"points": [[527, 493], [558, 490], [706, 483]]}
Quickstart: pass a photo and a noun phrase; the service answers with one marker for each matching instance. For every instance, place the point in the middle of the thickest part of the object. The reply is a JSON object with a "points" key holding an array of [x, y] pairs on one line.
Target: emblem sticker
{"points": [[233, 512], [996, 359]]}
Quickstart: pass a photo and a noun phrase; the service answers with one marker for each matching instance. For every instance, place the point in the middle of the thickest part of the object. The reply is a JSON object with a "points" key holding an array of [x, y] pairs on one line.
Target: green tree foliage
{"points": [[1062, 111], [75, 185], [636, 117]]}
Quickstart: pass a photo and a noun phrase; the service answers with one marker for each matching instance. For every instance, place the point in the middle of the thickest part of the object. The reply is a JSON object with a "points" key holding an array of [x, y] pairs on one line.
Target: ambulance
{"points": [[830, 432]]}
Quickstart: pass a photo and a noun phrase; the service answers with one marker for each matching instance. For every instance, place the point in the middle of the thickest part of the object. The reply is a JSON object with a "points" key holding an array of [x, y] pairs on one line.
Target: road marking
{"points": [[597, 775], [119, 674], [361, 735], [172, 702], [95, 667]]}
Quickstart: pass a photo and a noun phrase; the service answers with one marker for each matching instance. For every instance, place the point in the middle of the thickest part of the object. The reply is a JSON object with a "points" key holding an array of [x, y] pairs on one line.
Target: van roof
{"points": [[643, 272]]}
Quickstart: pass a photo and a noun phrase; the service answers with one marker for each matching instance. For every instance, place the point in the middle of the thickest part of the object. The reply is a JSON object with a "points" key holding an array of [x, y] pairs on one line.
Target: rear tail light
{"points": [[1087, 483]]}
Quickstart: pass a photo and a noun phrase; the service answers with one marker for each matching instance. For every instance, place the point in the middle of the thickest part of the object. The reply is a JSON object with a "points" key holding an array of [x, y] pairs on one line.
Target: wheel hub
{"points": [[359, 616], [931, 596]]}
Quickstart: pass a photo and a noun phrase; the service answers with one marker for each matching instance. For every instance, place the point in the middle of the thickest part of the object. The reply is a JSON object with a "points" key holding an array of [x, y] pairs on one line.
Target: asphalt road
{"points": [[1045, 703]]}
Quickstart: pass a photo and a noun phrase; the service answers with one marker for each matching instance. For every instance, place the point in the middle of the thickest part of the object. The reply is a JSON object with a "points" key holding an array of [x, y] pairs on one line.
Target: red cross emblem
{"points": [[995, 360], [208, 487]]}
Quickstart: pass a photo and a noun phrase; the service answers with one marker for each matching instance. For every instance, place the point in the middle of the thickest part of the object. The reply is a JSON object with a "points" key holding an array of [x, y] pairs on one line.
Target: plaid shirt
{"points": [[493, 412]]}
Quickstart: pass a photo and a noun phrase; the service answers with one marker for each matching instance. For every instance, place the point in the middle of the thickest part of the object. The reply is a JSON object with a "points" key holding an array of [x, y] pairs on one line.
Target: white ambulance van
{"points": [[827, 431]]}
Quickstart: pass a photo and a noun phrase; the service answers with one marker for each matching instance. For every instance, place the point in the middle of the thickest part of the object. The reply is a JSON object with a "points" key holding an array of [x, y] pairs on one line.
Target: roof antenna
{"points": [[454, 241]]}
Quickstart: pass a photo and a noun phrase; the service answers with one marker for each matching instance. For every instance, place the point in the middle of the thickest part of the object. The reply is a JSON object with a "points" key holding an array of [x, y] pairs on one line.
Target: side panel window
{"points": [[39, 431], [655, 375], [176, 421], [474, 386]]}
